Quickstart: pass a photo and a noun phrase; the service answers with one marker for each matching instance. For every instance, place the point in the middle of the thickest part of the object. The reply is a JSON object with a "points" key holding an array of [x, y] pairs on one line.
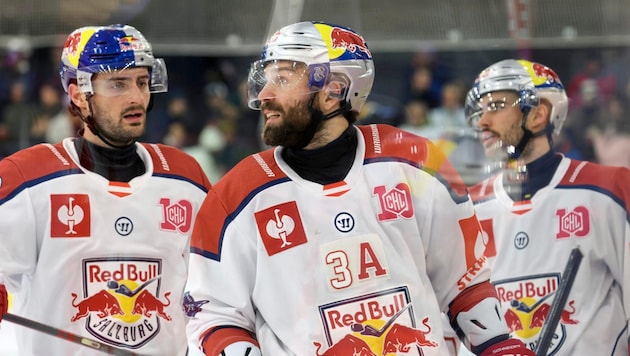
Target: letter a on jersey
{"points": [[280, 227]]}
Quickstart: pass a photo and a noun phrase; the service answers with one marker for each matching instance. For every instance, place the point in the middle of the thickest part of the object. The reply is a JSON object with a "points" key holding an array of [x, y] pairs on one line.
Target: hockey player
{"points": [[341, 240], [534, 217], [95, 230]]}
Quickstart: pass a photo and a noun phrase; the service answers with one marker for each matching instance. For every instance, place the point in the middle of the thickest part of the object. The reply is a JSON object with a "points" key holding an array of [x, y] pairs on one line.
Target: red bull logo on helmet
{"points": [[121, 302], [542, 76], [131, 43], [376, 324], [526, 304], [343, 43]]}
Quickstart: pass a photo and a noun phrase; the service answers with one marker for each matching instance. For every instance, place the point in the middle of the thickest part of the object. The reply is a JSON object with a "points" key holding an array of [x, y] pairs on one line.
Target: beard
{"points": [[294, 129]]}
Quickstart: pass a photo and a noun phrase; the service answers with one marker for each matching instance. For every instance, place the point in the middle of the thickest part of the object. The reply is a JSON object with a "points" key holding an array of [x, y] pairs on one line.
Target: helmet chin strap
{"points": [[317, 117], [91, 124], [527, 135]]}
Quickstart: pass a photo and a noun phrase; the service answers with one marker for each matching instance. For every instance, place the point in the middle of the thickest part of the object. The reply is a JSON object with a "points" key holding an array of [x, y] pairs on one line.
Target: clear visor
{"points": [[477, 104], [156, 80], [275, 77]]}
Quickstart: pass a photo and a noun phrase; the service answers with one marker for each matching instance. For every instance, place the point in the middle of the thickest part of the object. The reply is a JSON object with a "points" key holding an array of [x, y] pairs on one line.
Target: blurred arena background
{"points": [[208, 45]]}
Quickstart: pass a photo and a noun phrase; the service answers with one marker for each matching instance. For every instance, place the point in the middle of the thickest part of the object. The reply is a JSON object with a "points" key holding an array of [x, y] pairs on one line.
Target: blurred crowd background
{"points": [[426, 54]]}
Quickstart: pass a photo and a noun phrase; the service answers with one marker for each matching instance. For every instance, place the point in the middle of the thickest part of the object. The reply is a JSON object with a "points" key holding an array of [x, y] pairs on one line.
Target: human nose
{"points": [[266, 93], [484, 119]]}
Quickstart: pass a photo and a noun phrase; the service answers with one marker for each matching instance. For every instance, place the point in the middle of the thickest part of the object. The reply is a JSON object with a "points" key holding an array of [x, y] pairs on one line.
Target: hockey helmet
{"points": [[531, 81], [330, 53], [89, 50]]}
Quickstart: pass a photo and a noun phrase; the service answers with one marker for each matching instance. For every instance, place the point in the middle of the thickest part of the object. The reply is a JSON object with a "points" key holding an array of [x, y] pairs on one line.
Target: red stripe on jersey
{"points": [[20, 168], [470, 297], [170, 160], [216, 339], [605, 178], [383, 141], [336, 189], [226, 197]]}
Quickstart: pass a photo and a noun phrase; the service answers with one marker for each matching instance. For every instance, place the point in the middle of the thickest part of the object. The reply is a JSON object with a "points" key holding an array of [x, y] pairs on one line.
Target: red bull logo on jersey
{"points": [[527, 303], [280, 227], [70, 215], [394, 203], [121, 302], [377, 324]]}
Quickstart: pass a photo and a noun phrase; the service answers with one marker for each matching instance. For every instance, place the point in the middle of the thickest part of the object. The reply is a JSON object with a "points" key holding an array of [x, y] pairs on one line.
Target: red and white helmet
{"points": [[531, 81], [330, 52]]}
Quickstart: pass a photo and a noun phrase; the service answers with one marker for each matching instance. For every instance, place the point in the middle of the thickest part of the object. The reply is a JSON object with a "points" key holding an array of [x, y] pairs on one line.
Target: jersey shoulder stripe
{"points": [[229, 196], [388, 143], [32, 166], [174, 163], [608, 180]]}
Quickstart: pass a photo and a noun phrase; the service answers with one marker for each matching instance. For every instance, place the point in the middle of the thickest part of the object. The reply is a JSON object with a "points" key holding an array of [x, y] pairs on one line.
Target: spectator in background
{"points": [[16, 120], [417, 120], [574, 142], [177, 110], [593, 75], [448, 117], [425, 77], [610, 135], [202, 150], [221, 113]]}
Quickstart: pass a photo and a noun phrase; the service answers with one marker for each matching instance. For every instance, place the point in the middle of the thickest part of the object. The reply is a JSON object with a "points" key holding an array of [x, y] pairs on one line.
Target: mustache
{"points": [[134, 108], [271, 106]]}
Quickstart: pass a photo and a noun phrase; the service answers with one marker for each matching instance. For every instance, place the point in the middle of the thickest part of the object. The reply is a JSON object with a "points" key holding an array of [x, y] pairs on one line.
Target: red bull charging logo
{"points": [[343, 43], [121, 302], [376, 325], [527, 303]]}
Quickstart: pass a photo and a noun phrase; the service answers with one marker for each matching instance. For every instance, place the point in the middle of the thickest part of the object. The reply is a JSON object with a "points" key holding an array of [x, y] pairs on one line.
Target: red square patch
{"points": [[280, 227], [70, 215]]}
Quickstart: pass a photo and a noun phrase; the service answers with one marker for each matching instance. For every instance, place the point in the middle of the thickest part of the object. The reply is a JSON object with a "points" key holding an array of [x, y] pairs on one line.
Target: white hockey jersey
{"points": [[529, 242], [362, 266], [101, 259]]}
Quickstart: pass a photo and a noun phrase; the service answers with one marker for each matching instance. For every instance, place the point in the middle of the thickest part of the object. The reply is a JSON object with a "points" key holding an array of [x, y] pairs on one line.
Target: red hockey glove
{"points": [[509, 347], [4, 301]]}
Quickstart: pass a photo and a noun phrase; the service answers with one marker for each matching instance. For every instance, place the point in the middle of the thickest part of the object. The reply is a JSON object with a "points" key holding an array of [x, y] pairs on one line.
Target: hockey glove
{"points": [[4, 301], [241, 348], [509, 347]]}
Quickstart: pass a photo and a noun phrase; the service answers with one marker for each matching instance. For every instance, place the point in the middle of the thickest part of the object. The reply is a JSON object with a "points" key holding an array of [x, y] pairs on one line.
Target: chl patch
{"points": [[70, 215], [176, 216]]}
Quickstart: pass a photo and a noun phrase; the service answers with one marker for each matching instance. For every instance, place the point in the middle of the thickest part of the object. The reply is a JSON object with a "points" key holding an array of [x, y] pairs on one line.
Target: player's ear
{"points": [[77, 97], [539, 116], [335, 92]]}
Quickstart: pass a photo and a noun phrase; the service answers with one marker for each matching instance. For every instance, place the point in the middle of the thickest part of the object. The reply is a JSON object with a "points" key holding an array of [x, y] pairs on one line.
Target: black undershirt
{"points": [[115, 164], [325, 165], [539, 174]]}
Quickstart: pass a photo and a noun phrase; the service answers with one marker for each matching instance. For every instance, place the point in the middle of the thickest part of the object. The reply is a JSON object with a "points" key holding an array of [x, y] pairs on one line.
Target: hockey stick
{"points": [[562, 294], [16, 319]]}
